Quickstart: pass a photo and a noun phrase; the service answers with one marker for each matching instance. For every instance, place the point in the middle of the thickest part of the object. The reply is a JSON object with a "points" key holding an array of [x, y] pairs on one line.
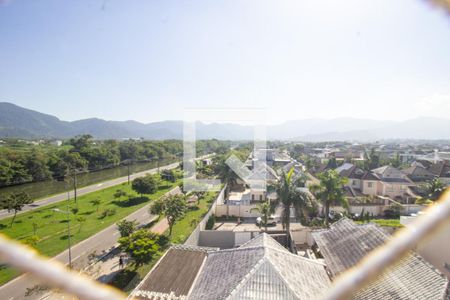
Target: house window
{"points": [[370, 184], [253, 197], [260, 197], [354, 182]]}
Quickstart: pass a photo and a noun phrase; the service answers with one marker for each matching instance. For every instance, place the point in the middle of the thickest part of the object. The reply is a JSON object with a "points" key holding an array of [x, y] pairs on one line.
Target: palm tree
{"points": [[290, 195], [434, 188], [330, 190]]}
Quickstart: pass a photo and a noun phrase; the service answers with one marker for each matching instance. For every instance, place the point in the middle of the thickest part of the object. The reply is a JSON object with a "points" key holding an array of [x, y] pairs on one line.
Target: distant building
{"points": [[384, 181], [57, 143], [441, 170]]}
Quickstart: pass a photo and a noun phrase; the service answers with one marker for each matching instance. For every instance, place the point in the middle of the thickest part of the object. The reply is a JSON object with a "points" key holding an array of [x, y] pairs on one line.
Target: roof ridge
{"points": [[237, 249], [282, 278], [247, 242], [247, 276], [298, 256], [255, 268]]}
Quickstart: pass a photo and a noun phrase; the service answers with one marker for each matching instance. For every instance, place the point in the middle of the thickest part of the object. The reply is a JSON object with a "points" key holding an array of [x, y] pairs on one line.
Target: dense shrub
{"points": [[210, 223]]}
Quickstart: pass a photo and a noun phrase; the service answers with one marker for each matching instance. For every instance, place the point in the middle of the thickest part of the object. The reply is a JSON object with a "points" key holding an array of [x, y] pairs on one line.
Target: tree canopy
{"points": [[145, 185], [15, 202], [141, 245]]}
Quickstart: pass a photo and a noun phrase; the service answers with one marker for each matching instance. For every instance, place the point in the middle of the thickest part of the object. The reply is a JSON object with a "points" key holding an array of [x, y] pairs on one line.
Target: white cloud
{"points": [[436, 106]]}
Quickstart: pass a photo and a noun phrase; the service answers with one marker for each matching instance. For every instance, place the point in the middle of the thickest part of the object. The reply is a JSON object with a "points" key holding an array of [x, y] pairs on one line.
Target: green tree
{"points": [[199, 195], [372, 160], [6, 172], [157, 207], [15, 202], [396, 161], [433, 189], [96, 202], [81, 143], [330, 191], [174, 209], [36, 165], [126, 228], [332, 163], [141, 245], [265, 211], [145, 185]]}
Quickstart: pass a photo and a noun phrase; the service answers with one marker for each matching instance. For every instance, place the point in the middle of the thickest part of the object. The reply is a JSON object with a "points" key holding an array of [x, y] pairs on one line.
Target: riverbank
{"points": [[41, 189]]}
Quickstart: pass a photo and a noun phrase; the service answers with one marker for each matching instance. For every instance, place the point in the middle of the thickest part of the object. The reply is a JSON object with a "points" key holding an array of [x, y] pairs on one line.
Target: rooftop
{"points": [[258, 269], [345, 244]]}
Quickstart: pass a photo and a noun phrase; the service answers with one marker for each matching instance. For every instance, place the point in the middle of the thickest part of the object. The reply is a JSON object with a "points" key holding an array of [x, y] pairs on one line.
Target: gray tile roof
{"points": [[263, 240], [174, 273], [259, 269], [345, 244]]}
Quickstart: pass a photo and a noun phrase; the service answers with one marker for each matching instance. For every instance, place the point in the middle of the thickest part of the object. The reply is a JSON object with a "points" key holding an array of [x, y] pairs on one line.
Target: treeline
{"points": [[21, 162]]}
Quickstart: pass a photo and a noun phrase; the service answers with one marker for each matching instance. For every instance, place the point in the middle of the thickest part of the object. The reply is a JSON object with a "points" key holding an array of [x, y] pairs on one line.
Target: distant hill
{"points": [[16, 121]]}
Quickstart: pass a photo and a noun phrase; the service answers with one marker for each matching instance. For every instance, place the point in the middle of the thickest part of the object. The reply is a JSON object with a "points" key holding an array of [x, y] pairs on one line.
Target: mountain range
{"points": [[19, 122]]}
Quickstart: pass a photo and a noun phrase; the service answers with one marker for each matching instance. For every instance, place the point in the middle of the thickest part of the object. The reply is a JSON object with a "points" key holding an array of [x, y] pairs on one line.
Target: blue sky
{"points": [[149, 60]]}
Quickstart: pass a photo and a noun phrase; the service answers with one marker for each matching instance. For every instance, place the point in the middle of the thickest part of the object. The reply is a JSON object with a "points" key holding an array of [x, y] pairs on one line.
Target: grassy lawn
{"points": [[51, 226], [385, 222], [130, 276]]}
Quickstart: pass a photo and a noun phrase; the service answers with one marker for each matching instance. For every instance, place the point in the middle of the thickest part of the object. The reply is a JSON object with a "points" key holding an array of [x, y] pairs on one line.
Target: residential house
{"points": [[418, 174], [258, 269], [345, 244], [384, 181], [441, 170]]}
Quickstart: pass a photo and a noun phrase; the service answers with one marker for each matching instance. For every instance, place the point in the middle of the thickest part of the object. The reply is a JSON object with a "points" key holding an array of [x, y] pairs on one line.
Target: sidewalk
{"points": [[160, 227]]}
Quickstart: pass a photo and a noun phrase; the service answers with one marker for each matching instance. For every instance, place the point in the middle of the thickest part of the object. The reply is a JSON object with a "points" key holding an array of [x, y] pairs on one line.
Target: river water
{"points": [[42, 189]]}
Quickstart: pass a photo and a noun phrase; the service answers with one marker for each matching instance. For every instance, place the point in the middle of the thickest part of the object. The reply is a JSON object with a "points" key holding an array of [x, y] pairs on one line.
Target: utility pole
{"points": [[68, 229], [75, 185], [68, 237], [128, 166]]}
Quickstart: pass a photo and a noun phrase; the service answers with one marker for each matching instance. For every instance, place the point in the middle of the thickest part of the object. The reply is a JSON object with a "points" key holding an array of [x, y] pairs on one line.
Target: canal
{"points": [[42, 189]]}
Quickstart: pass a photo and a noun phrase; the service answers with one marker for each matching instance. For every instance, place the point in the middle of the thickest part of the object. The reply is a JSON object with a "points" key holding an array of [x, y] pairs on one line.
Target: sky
{"points": [[151, 60]]}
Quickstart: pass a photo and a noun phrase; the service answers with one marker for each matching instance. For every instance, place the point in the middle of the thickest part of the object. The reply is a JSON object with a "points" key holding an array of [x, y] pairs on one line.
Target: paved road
{"points": [[100, 242], [85, 190]]}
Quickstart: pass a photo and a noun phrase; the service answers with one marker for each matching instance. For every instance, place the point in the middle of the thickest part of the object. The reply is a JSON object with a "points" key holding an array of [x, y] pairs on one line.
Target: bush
{"points": [[32, 240], [126, 228], [107, 212], [210, 223], [391, 214]]}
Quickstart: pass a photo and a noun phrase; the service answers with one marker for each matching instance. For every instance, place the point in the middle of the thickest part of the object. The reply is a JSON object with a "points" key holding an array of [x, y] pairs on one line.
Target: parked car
{"points": [[271, 221]]}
